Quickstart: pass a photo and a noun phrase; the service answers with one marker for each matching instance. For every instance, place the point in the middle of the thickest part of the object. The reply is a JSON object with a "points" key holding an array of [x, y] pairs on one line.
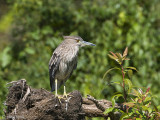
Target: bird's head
{"points": [[78, 41]]}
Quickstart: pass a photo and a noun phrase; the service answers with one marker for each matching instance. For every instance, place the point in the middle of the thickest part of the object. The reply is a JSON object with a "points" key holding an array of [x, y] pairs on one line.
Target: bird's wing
{"points": [[53, 67], [74, 67]]}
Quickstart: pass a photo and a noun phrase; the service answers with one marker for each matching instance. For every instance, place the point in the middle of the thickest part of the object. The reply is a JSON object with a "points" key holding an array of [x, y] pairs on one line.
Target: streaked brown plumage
{"points": [[64, 60]]}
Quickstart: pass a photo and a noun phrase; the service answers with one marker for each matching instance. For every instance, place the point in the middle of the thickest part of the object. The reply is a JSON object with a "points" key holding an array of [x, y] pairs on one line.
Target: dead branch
{"points": [[26, 103]]}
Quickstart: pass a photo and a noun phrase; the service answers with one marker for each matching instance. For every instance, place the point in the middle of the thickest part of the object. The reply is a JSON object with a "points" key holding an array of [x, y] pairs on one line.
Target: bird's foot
{"points": [[66, 96], [59, 98]]}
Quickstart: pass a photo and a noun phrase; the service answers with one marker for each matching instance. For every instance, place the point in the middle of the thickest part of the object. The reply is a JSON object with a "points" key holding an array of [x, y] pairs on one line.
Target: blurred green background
{"points": [[30, 30]]}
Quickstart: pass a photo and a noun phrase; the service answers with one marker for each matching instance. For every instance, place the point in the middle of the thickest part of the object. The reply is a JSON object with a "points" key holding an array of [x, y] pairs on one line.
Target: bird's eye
{"points": [[78, 40]]}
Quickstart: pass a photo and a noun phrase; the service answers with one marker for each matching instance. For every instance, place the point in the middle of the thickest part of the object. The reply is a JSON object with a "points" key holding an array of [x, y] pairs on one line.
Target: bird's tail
{"points": [[53, 88], [52, 84]]}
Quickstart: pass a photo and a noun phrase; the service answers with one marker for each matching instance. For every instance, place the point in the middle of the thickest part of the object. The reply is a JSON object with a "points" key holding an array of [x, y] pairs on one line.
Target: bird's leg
{"points": [[56, 88], [65, 95], [56, 94]]}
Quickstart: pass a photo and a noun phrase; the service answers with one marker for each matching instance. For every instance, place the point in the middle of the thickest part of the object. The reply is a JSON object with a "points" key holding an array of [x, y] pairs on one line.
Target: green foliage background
{"points": [[34, 28]]}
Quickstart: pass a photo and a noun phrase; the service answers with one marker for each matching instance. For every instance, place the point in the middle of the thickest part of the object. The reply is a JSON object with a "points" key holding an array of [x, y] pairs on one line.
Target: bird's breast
{"points": [[68, 59], [65, 68]]}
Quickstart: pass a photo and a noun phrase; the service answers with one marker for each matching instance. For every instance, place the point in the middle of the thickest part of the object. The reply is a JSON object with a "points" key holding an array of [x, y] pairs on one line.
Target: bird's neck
{"points": [[74, 50], [72, 53]]}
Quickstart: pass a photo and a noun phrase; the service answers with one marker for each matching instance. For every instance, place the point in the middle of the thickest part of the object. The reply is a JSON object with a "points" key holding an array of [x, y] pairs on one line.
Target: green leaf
{"points": [[5, 57], [133, 68], [35, 35], [158, 107], [47, 30], [135, 93], [124, 115], [117, 83], [138, 119], [147, 99], [108, 110], [120, 58], [29, 50], [114, 97], [109, 118], [150, 110], [144, 108], [110, 70], [129, 104], [129, 84], [113, 101], [112, 57], [130, 73]]}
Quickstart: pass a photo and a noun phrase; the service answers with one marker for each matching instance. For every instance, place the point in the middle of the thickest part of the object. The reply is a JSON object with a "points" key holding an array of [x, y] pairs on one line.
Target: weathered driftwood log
{"points": [[26, 103]]}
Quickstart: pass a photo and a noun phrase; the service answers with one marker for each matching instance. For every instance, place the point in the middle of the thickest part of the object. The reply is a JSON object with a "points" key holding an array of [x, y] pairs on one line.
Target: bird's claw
{"points": [[65, 96], [59, 98]]}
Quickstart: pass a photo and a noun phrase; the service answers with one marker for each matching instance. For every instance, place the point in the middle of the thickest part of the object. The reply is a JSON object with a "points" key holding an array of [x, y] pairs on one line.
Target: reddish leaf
{"points": [[148, 90], [143, 98], [119, 55], [113, 54], [125, 52], [139, 101], [120, 58]]}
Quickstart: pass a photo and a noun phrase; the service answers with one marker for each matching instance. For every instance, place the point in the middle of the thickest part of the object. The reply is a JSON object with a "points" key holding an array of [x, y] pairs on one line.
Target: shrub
{"points": [[38, 27]]}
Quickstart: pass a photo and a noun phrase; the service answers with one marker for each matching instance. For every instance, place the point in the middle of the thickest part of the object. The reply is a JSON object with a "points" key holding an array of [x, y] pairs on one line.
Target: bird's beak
{"points": [[84, 43]]}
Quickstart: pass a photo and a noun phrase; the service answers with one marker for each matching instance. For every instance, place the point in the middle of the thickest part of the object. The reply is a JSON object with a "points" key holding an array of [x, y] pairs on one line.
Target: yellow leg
{"points": [[56, 94], [56, 88], [64, 94]]}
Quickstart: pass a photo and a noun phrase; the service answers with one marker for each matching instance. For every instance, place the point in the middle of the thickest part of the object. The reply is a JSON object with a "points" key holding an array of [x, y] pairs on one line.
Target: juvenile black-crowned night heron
{"points": [[64, 61]]}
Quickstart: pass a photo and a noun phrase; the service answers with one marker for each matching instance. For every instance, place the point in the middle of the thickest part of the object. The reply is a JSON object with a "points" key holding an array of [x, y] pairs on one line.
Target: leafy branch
{"points": [[138, 105], [119, 58]]}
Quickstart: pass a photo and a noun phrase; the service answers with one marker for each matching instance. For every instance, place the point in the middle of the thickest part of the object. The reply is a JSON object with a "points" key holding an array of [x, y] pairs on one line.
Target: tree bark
{"points": [[26, 103]]}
